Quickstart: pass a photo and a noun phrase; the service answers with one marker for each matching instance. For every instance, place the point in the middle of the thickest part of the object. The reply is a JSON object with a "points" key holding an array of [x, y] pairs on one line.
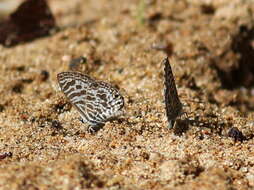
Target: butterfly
{"points": [[96, 101], [173, 104]]}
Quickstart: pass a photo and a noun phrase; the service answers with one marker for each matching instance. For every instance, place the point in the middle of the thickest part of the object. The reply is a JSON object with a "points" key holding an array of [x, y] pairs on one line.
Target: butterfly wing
{"points": [[76, 87], [173, 104], [110, 100], [94, 100]]}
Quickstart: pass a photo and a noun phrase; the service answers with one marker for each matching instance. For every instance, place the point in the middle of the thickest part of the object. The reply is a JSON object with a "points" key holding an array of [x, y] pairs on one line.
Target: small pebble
{"points": [[18, 87], [44, 75], [56, 124], [207, 9], [236, 134], [75, 63], [66, 58], [1, 107], [5, 154]]}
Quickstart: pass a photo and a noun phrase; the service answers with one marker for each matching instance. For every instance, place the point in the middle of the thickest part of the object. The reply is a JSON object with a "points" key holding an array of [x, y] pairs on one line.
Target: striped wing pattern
{"points": [[172, 101], [96, 101]]}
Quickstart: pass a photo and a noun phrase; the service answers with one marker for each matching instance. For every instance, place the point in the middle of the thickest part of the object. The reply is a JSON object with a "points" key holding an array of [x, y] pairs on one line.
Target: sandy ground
{"points": [[210, 44]]}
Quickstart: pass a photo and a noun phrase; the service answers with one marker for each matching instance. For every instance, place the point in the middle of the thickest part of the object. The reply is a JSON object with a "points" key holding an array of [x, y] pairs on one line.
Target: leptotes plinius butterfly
{"points": [[173, 104], [96, 101]]}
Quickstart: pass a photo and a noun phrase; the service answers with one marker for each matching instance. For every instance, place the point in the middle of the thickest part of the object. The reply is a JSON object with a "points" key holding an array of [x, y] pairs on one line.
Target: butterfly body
{"points": [[96, 101]]}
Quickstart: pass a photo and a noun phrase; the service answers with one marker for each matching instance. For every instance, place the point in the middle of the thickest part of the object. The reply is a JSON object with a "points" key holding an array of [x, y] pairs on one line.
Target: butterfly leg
{"points": [[184, 114], [171, 124], [94, 128]]}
